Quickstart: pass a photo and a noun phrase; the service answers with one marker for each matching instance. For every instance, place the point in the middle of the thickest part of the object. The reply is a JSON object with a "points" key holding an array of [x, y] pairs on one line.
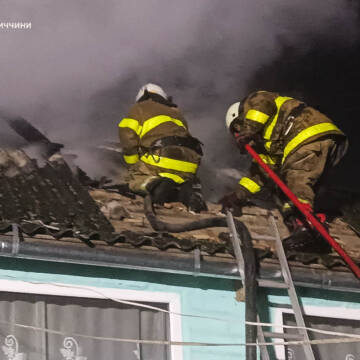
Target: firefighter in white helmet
{"points": [[162, 156], [296, 141]]}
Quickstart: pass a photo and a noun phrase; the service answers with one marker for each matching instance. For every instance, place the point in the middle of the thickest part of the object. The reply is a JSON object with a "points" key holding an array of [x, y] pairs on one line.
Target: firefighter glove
{"points": [[231, 202], [241, 141]]}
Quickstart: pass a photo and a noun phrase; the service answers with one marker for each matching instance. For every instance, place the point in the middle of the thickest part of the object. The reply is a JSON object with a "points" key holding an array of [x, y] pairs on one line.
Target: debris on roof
{"points": [[216, 240], [48, 201], [48, 195]]}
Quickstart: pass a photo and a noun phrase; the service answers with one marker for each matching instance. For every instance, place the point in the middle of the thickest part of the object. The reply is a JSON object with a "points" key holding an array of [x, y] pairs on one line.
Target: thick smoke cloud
{"points": [[75, 73]]}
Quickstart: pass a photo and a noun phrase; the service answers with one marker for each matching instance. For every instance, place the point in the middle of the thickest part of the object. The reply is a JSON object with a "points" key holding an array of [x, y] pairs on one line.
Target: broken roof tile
{"points": [[49, 194]]}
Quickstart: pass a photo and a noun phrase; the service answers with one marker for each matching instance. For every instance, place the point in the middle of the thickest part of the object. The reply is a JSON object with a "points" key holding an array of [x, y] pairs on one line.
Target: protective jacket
{"points": [[282, 127], [156, 142]]}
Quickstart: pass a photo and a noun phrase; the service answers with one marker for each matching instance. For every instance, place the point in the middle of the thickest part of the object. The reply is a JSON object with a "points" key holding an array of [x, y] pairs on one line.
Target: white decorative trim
{"points": [[61, 289], [11, 349], [71, 350], [137, 352], [290, 354], [311, 310], [350, 357]]}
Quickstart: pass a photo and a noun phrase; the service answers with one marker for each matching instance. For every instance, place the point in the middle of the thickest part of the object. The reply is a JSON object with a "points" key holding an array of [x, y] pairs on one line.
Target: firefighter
{"points": [[296, 141], [162, 156]]}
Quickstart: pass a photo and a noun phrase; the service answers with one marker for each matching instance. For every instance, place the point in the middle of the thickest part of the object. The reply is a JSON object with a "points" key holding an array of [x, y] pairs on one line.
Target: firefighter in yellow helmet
{"points": [[162, 156], [296, 141]]}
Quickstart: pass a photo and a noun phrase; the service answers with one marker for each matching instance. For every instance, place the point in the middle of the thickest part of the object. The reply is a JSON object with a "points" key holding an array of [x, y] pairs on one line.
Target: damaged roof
{"points": [[61, 218], [49, 203], [49, 194], [127, 216]]}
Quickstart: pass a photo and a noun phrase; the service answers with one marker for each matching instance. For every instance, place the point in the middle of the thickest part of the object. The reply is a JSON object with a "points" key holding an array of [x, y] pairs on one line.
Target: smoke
{"points": [[76, 72]]}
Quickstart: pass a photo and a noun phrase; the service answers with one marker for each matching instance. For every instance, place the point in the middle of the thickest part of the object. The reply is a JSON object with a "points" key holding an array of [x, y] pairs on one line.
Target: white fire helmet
{"points": [[151, 88], [232, 114]]}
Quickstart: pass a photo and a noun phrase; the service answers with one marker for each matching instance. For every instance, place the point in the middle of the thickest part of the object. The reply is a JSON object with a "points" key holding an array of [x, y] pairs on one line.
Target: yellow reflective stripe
{"points": [[306, 134], [288, 205], [131, 159], [257, 116], [279, 101], [148, 125], [268, 145], [171, 164], [156, 121], [304, 201], [250, 185], [131, 124], [267, 159], [178, 179]]}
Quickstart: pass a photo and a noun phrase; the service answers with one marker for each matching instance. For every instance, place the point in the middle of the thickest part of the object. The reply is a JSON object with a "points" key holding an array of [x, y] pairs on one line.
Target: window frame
{"points": [[312, 310], [85, 291]]}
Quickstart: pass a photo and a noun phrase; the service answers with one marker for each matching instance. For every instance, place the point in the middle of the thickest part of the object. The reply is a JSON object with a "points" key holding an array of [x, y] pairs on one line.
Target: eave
{"points": [[174, 262]]}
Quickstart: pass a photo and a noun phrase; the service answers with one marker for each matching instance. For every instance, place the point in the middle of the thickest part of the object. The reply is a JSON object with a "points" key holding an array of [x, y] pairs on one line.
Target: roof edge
{"points": [[192, 263]]}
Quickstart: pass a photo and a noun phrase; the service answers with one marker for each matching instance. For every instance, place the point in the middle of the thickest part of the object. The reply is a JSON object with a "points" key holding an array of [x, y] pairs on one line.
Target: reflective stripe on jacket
{"points": [[271, 115], [148, 125], [285, 124], [147, 122], [250, 185]]}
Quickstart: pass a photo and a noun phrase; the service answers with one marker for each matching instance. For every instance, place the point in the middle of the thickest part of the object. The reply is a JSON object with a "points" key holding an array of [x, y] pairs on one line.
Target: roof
{"points": [[110, 218], [48, 194], [50, 205], [127, 215]]}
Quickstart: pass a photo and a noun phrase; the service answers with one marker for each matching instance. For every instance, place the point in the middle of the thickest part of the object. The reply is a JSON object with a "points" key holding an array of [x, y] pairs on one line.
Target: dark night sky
{"points": [[327, 78]]}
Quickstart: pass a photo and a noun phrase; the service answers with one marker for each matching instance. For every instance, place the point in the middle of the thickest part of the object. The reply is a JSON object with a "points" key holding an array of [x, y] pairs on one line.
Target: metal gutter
{"points": [[167, 262]]}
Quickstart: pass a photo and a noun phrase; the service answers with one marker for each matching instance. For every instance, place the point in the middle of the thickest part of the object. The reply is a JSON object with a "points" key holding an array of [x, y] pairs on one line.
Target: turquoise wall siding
{"points": [[318, 302], [200, 296]]}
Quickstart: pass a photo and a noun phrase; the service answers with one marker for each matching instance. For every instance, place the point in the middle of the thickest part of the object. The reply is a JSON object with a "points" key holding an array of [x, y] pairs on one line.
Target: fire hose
{"points": [[250, 266], [310, 218]]}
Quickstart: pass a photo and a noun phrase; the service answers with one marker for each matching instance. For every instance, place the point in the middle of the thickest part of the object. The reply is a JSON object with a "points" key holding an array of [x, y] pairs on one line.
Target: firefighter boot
{"points": [[304, 239], [162, 190], [191, 196]]}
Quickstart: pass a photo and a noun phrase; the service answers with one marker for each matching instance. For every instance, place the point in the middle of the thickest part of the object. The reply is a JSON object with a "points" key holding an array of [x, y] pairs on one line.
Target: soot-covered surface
{"points": [[49, 203], [47, 194]]}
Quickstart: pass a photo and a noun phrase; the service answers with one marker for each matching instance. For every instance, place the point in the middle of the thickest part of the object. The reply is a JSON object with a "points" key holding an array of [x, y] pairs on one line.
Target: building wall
{"points": [[198, 296], [324, 303]]}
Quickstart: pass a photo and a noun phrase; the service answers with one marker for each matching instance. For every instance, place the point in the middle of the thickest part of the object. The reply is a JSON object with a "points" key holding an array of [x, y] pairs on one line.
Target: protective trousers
{"points": [[149, 167], [301, 171]]}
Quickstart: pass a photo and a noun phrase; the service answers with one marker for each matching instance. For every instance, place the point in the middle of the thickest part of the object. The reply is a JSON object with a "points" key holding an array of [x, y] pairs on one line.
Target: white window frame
{"points": [[73, 290], [311, 310]]}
